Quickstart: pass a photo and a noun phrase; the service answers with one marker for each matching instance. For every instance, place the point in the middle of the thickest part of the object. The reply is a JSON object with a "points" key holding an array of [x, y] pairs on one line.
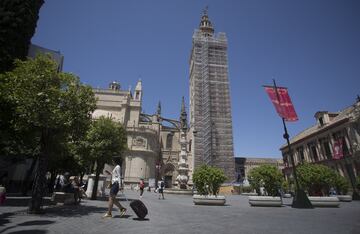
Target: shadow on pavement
{"points": [[36, 222], [125, 199], [122, 217], [29, 232], [72, 211], [23, 201], [120, 198], [29, 223], [138, 219], [4, 218]]}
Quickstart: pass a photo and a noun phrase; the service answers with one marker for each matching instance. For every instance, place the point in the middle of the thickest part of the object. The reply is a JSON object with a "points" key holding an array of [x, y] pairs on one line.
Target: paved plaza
{"points": [[177, 214]]}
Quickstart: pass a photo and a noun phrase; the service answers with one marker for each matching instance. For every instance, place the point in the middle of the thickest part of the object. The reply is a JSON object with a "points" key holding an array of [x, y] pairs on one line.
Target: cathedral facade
{"points": [[160, 147], [153, 141]]}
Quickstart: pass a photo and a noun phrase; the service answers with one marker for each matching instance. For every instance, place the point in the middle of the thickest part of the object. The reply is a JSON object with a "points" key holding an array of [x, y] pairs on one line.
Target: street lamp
{"points": [[158, 167]]}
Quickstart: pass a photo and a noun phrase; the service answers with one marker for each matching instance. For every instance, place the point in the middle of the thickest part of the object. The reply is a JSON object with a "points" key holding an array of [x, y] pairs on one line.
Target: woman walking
{"points": [[141, 186], [115, 187]]}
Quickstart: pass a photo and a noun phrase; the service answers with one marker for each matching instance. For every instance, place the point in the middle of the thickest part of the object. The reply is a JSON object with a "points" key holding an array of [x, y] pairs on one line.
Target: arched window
{"points": [[169, 140]]}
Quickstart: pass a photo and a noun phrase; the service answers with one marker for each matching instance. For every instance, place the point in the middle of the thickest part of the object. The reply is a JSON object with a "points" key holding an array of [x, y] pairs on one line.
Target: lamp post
{"points": [[158, 167], [352, 178], [300, 200]]}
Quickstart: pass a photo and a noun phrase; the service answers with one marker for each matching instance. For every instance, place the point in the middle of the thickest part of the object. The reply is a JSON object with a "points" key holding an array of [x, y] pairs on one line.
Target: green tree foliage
{"points": [[18, 20], [318, 179], [48, 110], [286, 186], [105, 140], [341, 184], [266, 176], [208, 180]]}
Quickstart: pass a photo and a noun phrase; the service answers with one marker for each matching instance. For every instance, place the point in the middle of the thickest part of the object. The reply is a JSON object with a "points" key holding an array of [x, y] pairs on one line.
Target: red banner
{"points": [[282, 102], [338, 149]]}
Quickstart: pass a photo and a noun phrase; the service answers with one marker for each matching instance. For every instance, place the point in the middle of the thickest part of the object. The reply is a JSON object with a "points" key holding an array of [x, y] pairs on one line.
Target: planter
{"points": [[178, 191], [265, 201], [209, 200], [324, 201], [287, 195], [249, 194], [344, 198], [65, 198]]}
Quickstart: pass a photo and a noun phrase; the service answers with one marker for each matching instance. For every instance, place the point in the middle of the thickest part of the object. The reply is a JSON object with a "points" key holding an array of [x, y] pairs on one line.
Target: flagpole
{"points": [[300, 200]]}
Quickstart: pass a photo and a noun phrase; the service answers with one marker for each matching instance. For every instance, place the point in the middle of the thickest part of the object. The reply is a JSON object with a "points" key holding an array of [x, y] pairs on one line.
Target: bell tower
{"points": [[138, 91]]}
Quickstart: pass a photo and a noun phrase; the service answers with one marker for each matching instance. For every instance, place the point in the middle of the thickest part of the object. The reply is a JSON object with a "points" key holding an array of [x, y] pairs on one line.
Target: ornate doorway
{"points": [[168, 175], [168, 181]]}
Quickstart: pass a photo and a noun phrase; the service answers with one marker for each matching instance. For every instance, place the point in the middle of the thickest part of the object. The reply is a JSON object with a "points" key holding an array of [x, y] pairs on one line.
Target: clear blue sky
{"points": [[310, 46]]}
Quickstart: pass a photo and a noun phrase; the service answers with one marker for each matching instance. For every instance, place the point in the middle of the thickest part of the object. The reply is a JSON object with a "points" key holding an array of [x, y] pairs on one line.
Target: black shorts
{"points": [[114, 189]]}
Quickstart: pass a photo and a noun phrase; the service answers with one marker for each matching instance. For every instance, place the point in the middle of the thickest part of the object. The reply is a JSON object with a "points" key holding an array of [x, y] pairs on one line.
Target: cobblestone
{"points": [[177, 214]]}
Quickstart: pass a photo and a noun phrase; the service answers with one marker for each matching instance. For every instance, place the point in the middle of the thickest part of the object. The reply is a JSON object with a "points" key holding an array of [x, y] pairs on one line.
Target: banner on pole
{"points": [[282, 102], [338, 149]]}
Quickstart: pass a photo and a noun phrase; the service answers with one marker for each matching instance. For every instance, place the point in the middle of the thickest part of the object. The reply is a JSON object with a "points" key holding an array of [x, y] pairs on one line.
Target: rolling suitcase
{"points": [[139, 208]]}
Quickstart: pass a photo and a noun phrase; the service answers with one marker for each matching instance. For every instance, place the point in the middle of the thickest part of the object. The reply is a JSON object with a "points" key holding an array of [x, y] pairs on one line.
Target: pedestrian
{"points": [[114, 189], [141, 186], [2, 194], [332, 191], [75, 183], [161, 186], [66, 185], [59, 181]]}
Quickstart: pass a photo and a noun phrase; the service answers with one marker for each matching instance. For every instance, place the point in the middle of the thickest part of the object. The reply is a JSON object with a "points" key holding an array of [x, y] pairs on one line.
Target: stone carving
{"points": [[140, 142], [183, 167]]}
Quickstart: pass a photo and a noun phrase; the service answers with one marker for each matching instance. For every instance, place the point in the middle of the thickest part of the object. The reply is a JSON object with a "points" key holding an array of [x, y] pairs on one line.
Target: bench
{"points": [[64, 198]]}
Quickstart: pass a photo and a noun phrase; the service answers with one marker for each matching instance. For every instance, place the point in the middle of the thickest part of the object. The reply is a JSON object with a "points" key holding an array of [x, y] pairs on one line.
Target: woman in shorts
{"points": [[115, 187]]}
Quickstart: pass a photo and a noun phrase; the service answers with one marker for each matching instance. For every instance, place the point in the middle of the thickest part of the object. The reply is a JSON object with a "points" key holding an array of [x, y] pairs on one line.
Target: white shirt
{"points": [[116, 175]]}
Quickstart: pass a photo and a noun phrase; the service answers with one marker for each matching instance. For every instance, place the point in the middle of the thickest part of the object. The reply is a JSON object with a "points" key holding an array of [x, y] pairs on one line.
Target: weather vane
{"points": [[205, 11]]}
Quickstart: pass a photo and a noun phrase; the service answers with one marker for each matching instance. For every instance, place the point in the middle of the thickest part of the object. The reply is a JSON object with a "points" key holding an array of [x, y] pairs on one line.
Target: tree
{"points": [[341, 184], [51, 108], [208, 179], [318, 179], [266, 176], [105, 139], [18, 20]]}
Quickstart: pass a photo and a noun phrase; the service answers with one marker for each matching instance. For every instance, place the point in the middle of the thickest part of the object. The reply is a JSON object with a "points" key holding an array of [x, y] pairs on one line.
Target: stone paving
{"points": [[177, 214]]}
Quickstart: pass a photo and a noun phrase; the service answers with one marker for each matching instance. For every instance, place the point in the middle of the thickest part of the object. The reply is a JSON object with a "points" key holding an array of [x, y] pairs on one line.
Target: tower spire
{"points": [[183, 106], [183, 115], [158, 111], [205, 24]]}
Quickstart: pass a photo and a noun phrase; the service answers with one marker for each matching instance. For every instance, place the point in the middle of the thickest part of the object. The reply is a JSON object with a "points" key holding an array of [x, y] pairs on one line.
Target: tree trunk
{"points": [[52, 181], [96, 182], [92, 167], [81, 177], [39, 185], [29, 172]]}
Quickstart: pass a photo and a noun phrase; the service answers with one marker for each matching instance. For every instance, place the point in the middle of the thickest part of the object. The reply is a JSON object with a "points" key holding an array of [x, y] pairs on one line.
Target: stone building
{"points": [[153, 141], [244, 165], [210, 109], [55, 55], [333, 141]]}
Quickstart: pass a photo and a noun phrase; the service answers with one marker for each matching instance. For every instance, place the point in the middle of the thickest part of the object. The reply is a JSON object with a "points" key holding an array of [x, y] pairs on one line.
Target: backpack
{"points": [[162, 185]]}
